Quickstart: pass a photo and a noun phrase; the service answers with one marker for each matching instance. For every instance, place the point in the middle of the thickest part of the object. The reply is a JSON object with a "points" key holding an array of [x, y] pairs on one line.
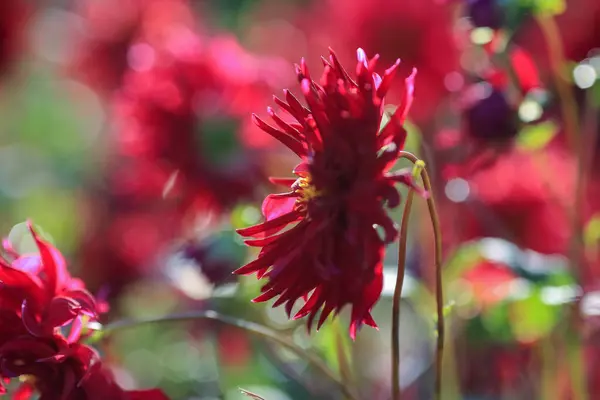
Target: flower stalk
{"points": [[248, 326], [397, 295], [439, 290]]}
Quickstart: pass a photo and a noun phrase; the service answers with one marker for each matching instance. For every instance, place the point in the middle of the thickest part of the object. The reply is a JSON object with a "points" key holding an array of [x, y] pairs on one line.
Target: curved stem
{"points": [[250, 327], [397, 295], [439, 290]]}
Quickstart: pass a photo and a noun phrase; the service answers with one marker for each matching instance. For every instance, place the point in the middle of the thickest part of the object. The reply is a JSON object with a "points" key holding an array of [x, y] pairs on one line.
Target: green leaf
{"points": [[591, 234], [532, 319], [550, 7], [536, 137]]}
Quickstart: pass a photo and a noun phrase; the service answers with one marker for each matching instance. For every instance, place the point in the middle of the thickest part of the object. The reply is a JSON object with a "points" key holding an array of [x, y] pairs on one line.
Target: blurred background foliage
{"points": [[149, 221]]}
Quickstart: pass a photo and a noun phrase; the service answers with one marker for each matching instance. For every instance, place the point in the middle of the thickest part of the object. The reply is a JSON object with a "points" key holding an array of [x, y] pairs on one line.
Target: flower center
{"points": [[307, 192]]}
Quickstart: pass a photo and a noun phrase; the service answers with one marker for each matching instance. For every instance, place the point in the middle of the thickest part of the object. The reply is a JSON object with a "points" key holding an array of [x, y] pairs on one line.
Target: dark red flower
{"points": [[59, 370], [14, 15], [39, 289], [332, 254]]}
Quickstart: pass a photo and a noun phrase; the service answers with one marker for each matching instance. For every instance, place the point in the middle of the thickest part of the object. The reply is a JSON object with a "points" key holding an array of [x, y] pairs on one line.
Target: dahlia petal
{"points": [[253, 266], [361, 56], [30, 321], [373, 62], [60, 312], [9, 249], [313, 136], [393, 131], [274, 224], [370, 321], [282, 181], [68, 383], [76, 328], [266, 296], [354, 327], [288, 141], [324, 314], [340, 68], [310, 304], [288, 129], [55, 266], [407, 97], [276, 205], [284, 105], [302, 169], [387, 79], [85, 299], [267, 240], [298, 110], [390, 194], [326, 62], [405, 177], [313, 314], [388, 156]]}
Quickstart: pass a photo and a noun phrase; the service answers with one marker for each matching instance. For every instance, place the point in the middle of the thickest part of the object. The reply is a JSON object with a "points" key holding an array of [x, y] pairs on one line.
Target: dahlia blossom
{"points": [[42, 313], [38, 288], [331, 253], [59, 370]]}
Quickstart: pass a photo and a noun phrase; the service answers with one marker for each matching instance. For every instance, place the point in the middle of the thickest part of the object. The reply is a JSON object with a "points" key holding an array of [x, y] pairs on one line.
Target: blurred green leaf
{"points": [[536, 137], [531, 319], [60, 117], [56, 211], [549, 7], [494, 324], [591, 234], [465, 257]]}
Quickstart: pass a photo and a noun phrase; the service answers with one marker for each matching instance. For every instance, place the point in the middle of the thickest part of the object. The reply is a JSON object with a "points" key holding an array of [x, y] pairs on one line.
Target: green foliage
{"points": [[536, 137]]}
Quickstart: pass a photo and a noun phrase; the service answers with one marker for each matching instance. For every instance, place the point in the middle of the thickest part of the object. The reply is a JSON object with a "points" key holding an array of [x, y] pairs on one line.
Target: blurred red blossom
{"points": [[177, 151], [332, 254], [419, 32], [14, 15], [519, 195], [490, 282], [39, 288], [110, 28], [40, 303]]}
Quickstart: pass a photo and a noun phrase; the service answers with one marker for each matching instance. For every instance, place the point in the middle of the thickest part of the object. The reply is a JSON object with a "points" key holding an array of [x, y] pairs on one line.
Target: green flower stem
{"points": [[250, 327], [398, 295], [551, 34], [439, 290]]}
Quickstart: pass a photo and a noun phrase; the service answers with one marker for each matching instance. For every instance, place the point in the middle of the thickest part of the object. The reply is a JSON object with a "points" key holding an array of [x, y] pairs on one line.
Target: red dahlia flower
{"points": [[41, 291], [332, 254], [58, 370]]}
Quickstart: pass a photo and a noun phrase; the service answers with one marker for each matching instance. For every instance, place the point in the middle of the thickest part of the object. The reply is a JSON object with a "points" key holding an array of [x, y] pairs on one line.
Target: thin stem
{"points": [[250, 327], [397, 295], [569, 113], [439, 290], [556, 57]]}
